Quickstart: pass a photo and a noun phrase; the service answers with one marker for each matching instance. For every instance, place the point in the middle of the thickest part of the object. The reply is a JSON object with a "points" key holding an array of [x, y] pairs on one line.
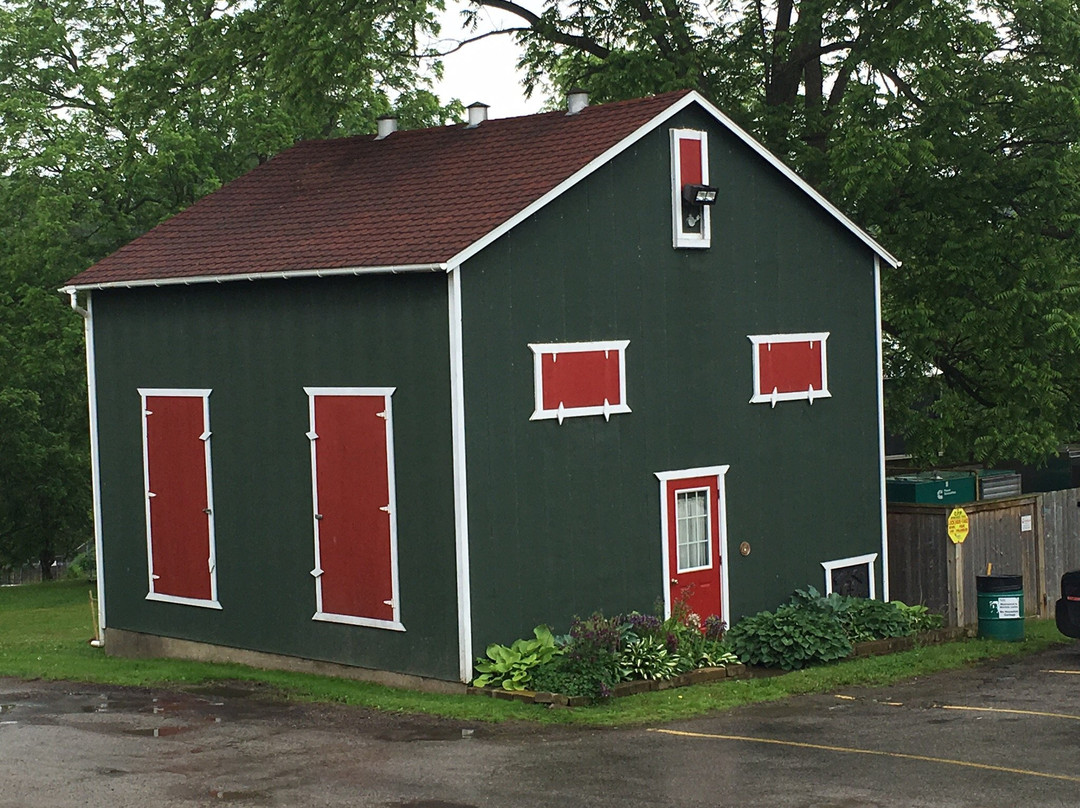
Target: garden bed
{"points": [[732, 671]]}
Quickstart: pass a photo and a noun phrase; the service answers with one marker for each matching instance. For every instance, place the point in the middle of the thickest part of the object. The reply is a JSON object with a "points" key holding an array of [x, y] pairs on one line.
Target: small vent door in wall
{"points": [[572, 379], [790, 367], [355, 525], [179, 496]]}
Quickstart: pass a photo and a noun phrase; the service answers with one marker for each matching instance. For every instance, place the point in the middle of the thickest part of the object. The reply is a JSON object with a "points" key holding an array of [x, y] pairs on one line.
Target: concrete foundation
{"points": [[134, 644]]}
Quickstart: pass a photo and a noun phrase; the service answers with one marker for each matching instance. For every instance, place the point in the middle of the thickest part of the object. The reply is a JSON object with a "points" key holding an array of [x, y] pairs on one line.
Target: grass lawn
{"points": [[45, 629]]}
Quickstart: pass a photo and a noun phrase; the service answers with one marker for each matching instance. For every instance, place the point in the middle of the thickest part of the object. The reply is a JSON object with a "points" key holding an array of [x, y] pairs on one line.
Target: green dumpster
{"points": [[1001, 606]]}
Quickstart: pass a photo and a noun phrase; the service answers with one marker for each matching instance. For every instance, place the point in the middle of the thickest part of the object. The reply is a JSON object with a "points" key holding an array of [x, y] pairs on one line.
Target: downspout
{"points": [[91, 398]]}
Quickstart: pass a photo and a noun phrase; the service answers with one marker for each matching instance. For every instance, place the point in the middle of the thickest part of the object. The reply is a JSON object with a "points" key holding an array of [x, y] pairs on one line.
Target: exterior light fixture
{"points": [[700, 194]]}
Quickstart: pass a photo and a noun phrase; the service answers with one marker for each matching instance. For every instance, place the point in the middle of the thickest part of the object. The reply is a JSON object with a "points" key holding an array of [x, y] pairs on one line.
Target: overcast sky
{"points": [[484, 71]]}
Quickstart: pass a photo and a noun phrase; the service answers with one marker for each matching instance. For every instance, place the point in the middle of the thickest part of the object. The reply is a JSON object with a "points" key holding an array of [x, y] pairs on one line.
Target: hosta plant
{"points": [[511, 666], [648, 658]]}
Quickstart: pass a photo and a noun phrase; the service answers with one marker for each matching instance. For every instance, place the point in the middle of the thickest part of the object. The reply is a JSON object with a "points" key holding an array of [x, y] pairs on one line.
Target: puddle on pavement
{"points": [[238, 795], [157, 732], [426, 734]]}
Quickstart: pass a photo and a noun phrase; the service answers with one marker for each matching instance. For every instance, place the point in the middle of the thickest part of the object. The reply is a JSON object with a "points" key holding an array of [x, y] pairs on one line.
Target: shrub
{"points": [[920, 617], [512, 666], [648, 658], [793, 637]]}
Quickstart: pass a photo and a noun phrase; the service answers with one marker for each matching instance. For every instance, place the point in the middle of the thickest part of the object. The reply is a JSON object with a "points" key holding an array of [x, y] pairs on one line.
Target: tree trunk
{"points": [[46, 558]]}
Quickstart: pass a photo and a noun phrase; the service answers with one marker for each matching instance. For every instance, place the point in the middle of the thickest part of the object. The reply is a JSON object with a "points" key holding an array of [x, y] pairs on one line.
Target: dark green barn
{"points": [[387, 399]]}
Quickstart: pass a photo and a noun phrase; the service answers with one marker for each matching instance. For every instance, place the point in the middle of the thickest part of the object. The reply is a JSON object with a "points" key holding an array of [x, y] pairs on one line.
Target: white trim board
{"points": [[881, 433], [760, 397], [461, 485], [720, 472], [95, 450], [853, 561], [542, 349], [386, 394], [260, 276], [680, 237], [180, 392]]}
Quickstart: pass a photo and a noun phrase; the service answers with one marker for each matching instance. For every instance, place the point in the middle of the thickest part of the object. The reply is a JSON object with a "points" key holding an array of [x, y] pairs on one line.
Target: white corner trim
{"points": [[461, 487], [853, 561], [541, 349], [681, 238], [664, 477], [772, 396], [881, 431], [95, 450]]}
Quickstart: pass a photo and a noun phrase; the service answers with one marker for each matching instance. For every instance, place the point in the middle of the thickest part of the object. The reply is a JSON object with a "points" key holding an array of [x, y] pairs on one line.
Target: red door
{"points": [[693, 543], [355, 565], [179, 514]]}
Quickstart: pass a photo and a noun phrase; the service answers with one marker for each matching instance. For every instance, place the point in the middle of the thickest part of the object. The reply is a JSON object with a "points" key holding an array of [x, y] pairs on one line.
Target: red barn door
{"points": [[179, 496], [353, 496], [692, 523]]}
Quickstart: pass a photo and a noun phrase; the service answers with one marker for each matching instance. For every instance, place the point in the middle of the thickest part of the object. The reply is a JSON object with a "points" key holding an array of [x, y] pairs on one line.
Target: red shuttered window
{"points": [[179, 497], [355, 522], [579, 378], [689, 166], [790, 367]]}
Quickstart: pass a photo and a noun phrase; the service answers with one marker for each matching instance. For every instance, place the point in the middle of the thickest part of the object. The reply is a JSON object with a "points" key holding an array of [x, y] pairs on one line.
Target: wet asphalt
{"points": [[1002, 734]]}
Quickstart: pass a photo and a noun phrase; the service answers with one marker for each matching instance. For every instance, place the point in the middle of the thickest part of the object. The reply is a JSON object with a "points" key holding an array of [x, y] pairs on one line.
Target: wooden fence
{"points": [[1035, 536]]}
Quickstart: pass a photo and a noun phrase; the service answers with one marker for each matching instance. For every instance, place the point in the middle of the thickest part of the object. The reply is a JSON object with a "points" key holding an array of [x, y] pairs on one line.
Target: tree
{"points": [[116, 114], [948, 129]]}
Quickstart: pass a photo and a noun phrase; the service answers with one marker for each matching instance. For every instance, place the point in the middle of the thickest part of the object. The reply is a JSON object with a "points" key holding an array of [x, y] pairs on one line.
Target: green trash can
{"points": [[1001, 606]]}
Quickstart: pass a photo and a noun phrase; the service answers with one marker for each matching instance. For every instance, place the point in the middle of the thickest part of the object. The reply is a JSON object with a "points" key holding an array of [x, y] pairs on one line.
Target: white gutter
{"points": [[95, 463], [259, 276]]}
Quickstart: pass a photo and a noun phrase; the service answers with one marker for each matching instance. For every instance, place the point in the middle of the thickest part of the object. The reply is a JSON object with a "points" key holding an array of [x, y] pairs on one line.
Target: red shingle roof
{"points": [[416, 197]]}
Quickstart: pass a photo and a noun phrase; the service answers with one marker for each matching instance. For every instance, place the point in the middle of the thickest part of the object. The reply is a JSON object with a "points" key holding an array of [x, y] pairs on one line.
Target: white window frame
{"points": [[854, 561], [680, 237], [708, 529], [720, 472], [204, 394], [540, 349], [810, 395], [394, 624]]}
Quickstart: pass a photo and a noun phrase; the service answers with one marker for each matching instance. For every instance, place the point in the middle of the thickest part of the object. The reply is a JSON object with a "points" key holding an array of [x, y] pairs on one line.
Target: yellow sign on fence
{"points": [[958, 525]]}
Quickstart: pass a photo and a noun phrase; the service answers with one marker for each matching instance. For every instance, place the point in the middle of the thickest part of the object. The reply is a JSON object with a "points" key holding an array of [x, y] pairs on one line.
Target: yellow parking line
{"points": [[1004, 710], [874, 752]]}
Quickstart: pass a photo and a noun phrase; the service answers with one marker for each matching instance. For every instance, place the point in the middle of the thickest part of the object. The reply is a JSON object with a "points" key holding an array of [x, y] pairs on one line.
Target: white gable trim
{"points": [[690, 98]]}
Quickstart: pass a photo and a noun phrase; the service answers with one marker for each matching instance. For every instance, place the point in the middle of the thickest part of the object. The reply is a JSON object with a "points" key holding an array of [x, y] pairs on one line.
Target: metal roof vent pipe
{"points": [[477, 114], [576, 100], [387, 125]]}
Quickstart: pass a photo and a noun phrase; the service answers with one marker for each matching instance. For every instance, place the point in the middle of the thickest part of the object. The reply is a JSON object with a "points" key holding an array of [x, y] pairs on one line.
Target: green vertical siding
{"points": [[257, 345], [564, 519]]}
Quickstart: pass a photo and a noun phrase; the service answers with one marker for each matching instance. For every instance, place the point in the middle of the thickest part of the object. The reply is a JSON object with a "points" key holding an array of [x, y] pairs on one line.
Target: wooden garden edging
{"points": [[736, 670]]}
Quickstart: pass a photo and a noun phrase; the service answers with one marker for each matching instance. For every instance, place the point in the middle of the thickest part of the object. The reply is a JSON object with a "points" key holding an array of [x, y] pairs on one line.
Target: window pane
{"points": [[692, 529]]}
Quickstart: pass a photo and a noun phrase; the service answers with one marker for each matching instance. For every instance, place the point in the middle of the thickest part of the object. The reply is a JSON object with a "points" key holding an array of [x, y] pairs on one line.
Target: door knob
{"points": [[674, 581]]}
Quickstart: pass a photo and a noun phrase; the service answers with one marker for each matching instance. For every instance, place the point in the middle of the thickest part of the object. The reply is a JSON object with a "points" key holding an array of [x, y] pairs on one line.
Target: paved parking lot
{"points": [[1004, 734]]}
